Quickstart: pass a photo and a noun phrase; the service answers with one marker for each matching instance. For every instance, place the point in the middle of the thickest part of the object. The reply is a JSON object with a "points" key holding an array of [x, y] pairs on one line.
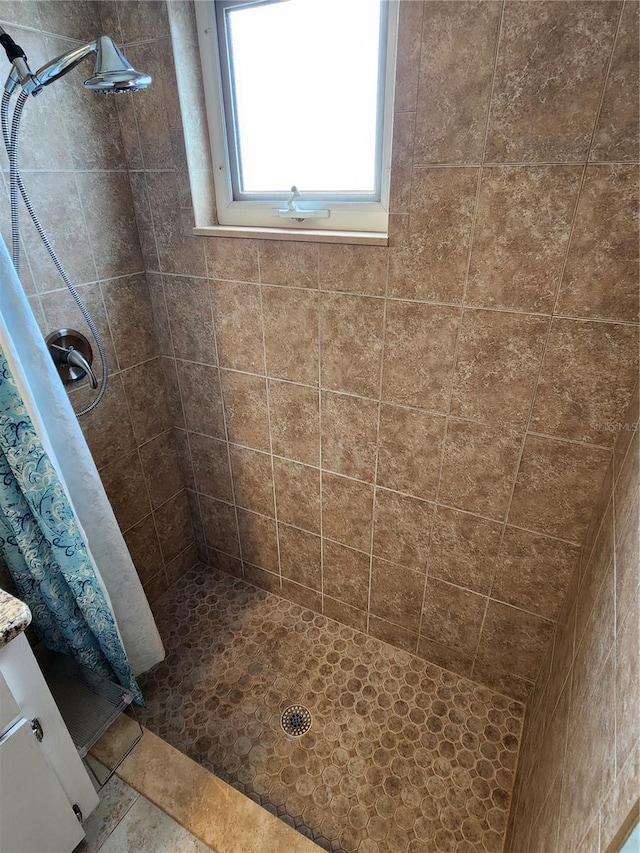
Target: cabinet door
{"points": [[35, 814]]}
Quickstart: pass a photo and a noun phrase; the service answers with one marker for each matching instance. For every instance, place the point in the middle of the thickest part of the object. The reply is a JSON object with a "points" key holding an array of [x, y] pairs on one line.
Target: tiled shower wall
{"points": [[75, 171], [579, 769], [411, 439]]}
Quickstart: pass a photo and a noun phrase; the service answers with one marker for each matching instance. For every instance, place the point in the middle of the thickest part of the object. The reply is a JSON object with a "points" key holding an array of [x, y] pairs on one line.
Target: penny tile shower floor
{"points": [[402, 756]]}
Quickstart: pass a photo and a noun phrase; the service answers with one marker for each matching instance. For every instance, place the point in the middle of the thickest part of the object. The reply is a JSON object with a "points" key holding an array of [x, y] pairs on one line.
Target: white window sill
{"points": [[297, 235]]}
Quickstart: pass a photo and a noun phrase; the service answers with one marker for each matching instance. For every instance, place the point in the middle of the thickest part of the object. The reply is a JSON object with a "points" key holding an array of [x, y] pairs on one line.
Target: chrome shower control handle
{"points": [[72, 355], [76, 359]]}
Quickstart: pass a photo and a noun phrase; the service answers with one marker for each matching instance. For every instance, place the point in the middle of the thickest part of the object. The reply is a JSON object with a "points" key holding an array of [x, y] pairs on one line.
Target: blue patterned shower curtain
{"points": [[44, 551]]}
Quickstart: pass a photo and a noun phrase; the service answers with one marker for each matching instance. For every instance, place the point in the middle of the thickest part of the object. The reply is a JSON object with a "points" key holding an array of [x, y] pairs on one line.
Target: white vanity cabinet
{"points": [[43, 784]]}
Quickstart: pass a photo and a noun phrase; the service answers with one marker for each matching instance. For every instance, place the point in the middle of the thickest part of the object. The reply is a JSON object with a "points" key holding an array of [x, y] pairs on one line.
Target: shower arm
{"points": [[22, 76]]}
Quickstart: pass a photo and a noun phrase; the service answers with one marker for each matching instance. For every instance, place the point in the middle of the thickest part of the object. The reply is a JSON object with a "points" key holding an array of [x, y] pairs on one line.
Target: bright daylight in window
{"points": [[299, 95]]}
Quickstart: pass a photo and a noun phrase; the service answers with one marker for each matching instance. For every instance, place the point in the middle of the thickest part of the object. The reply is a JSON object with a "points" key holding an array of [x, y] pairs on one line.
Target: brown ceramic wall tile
{"points": [[479, 467], [349, 433], [211, 466], [556, 487], [520, 239], [301, 595], [345, 574], [238, 323], [116, 249], [586, 381], [143, 545], [184, 457], [627, 532], [402, 529], [225, 563], [344, 614], [178, 250], [161, 467], [450, 659], [297, 494], [418, 354], [232, 259], [124, 484], [463, 549], [172, 387], [151, 110], [456, 67], [190, 318], [146, 399], [252, 480], [627, 431], [627, 682], [616, 134], [512, 640], [258, 540], [601, 276], [452, 616], [497, 365], [408, 59], [433, 265], [404, 125], [201, 400], [262, 579], [356, 269], [108, 430], [245, 408], [396, 594], [395, 635], [220, 527], [505, 682], [173, 523], [291, 334], [351, 342], [533, 571], [290, 264], [409, 451], [347, 511], [300, 556], [567, 46], [294, 412], [130, 319]]}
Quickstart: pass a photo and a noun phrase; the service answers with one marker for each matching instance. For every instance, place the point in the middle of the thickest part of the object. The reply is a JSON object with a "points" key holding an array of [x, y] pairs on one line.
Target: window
{"points": [[299, 104]]}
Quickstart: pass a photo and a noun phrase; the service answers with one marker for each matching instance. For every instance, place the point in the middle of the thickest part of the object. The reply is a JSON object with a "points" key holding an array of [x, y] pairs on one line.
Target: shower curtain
{"points": [[44, 552], [56, 429]]}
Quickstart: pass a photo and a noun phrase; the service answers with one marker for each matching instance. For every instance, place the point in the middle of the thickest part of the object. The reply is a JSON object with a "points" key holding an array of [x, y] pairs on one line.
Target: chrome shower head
{"points": [[113, 73]]}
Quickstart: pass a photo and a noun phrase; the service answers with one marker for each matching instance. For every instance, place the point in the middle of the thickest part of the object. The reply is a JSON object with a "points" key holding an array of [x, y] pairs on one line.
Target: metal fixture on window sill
{"points": [[292, 211], [72, 354]]}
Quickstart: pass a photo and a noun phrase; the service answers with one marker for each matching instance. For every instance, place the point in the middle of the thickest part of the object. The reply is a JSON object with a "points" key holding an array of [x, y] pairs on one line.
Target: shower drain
{"points": [[295, 720]]}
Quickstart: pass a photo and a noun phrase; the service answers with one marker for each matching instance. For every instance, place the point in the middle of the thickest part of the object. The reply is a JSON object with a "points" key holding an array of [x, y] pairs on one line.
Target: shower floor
{"points": [[402, 756]]}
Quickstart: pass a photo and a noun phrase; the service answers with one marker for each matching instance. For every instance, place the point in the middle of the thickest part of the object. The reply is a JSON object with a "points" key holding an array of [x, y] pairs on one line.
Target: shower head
{"points": [[113, 73]]}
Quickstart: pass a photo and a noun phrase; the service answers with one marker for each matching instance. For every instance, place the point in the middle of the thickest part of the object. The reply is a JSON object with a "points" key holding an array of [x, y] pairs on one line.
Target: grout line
{"points": [[377, 451], [273, 472], [226, 434], [466, 282], [431, 502], [320, 456], [408, 299], [506, 425]]}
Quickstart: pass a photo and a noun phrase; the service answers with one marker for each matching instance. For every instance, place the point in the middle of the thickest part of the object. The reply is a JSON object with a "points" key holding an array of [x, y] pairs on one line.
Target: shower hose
{"points": [[16, 183]]}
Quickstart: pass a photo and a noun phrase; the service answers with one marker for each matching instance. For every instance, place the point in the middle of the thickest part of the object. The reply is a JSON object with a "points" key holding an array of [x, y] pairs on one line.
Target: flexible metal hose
{"points": [[16, 183]]}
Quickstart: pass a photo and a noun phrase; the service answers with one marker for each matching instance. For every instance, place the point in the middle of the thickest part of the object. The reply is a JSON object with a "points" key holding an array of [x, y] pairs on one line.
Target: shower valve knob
{"points": [[72, 354]]}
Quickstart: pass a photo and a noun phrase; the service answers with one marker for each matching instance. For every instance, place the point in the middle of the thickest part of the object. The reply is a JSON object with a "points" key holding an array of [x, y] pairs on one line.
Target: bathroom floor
{"points": [[402, 756]]}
